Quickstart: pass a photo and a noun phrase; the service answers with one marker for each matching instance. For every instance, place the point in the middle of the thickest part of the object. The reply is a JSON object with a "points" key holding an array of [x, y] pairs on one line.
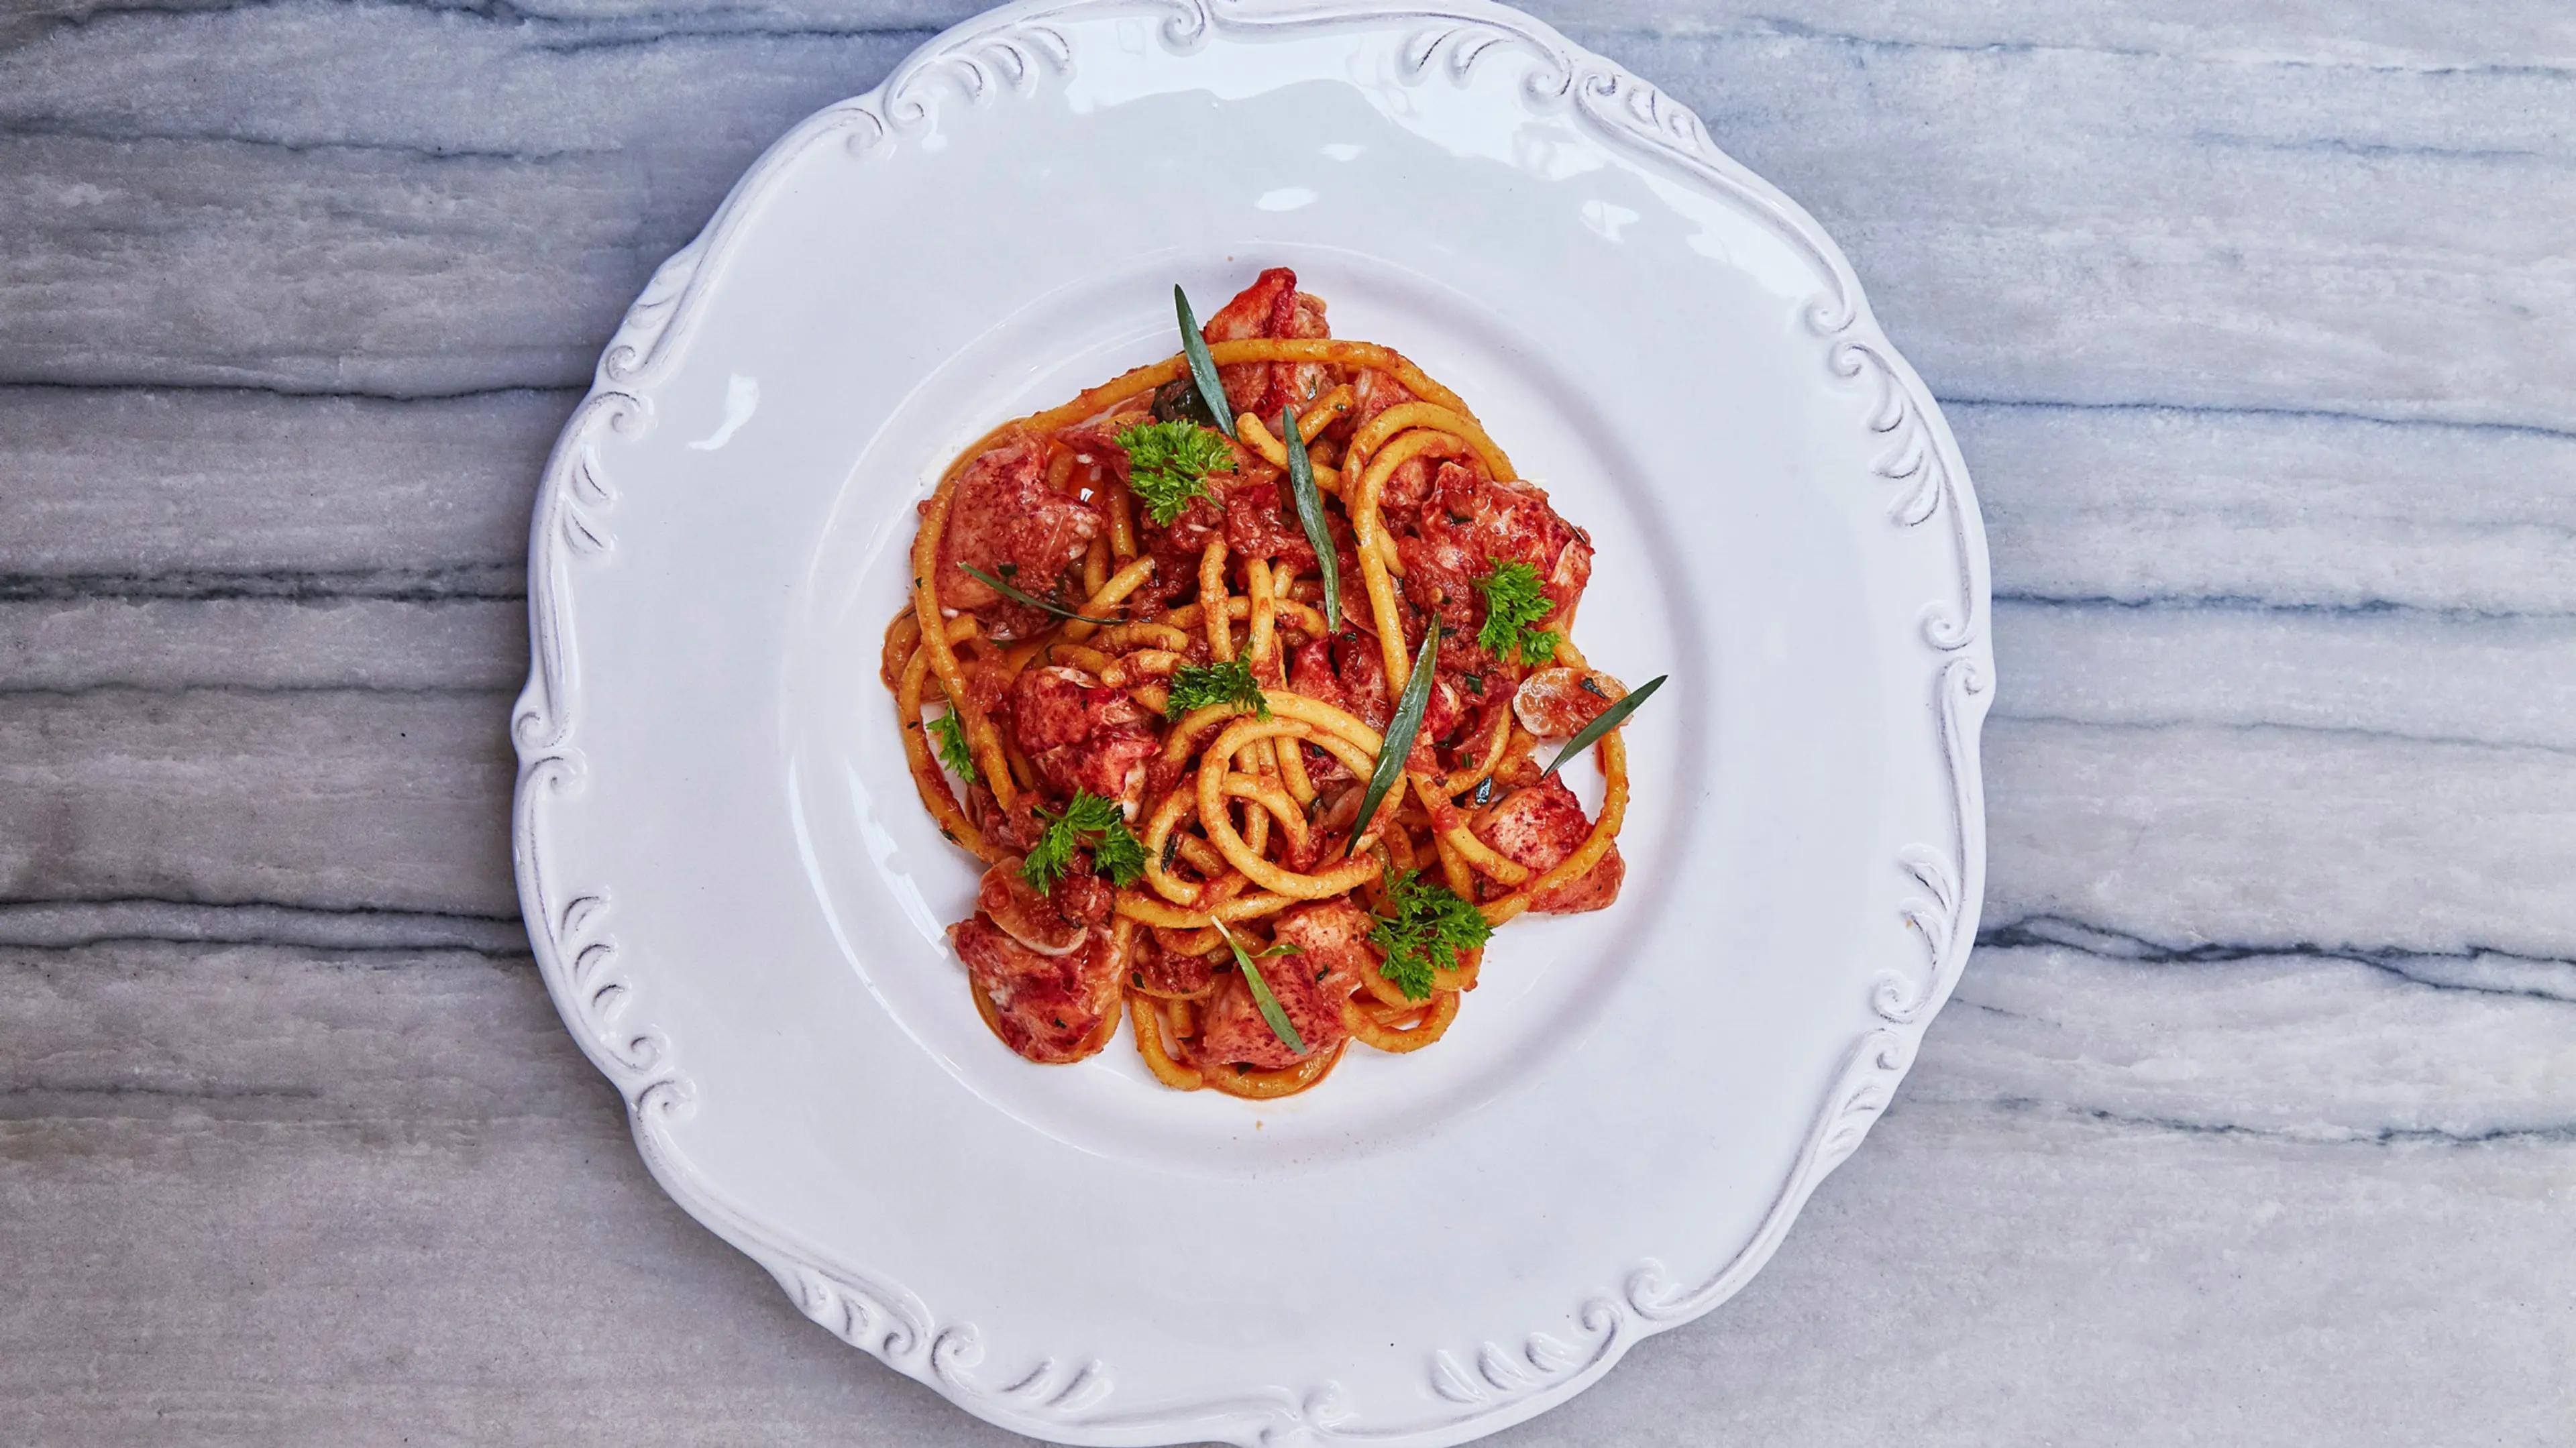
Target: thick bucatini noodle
{"points": [[1120, 686]]}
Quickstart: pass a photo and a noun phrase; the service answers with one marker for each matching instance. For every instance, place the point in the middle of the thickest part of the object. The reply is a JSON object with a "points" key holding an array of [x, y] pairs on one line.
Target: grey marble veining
{"points": [[2153, 504], [2253, 1120], [221, 492]]}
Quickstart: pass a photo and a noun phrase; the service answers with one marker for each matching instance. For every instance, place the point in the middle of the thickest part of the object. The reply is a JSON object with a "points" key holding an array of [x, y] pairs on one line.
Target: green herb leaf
{"points": [[1049, 858], [1092, 813], [950, 731], [1202, 366], [1426, 925], [1398, 741], [1089, 821], [1513, 601], [1262, 999], [1017, 595], [1609, 719], [1168, 464], [1119, 855], [1196, 686], [1310, 516]]}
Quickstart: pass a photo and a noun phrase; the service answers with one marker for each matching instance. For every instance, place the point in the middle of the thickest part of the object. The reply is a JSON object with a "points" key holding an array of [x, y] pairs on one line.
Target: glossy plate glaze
{"points": [[738, 902]]}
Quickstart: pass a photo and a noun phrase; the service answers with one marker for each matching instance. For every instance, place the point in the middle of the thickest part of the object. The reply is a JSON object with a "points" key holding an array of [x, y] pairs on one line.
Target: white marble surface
{"points": [[2254, 1121]]}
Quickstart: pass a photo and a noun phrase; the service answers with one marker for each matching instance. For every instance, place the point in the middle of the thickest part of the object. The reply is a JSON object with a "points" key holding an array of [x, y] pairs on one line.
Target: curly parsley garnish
{"points": [[1168, 464], [950, 733], [1119, 854], [1195, 686], [1429, 925], [1514, 601], [1089, 821]]}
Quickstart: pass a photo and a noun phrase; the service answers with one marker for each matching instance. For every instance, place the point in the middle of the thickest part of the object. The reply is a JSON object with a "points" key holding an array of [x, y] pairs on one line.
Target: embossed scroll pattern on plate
{"points": [[1489, 1383]]}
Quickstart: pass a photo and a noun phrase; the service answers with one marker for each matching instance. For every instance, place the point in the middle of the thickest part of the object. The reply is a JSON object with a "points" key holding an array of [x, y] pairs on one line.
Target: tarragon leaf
{"points": [[1310, 515], [1398, 741], [1020, 595], [1262, 999], [1609, 719], [1202, 366]]}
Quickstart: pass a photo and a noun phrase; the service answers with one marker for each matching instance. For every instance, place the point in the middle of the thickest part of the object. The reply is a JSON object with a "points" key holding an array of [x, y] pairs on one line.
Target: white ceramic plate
{"points": [[738, 902]]}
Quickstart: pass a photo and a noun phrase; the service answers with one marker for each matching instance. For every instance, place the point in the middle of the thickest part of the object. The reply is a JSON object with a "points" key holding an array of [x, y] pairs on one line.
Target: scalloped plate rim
{"points": [[578, 961]]}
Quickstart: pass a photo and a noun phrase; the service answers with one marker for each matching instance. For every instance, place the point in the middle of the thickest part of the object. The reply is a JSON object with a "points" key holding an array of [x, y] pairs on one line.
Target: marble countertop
{"points": [[2254, 1118]]}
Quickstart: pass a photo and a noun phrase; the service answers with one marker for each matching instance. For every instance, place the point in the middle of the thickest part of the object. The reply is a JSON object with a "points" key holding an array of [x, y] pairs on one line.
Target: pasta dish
{"points": [[1234, 671]]}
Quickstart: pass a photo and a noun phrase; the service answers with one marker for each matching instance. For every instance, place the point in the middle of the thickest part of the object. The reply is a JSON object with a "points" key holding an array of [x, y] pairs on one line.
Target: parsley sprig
{"points": [[1513, 601], [1195, 686], [1088, 822], [949, 732], [1168, 464], [1423, 925]]}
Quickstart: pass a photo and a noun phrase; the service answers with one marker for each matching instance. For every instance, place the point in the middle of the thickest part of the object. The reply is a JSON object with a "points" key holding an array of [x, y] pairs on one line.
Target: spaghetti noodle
{"points": [[1121, 686]]}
